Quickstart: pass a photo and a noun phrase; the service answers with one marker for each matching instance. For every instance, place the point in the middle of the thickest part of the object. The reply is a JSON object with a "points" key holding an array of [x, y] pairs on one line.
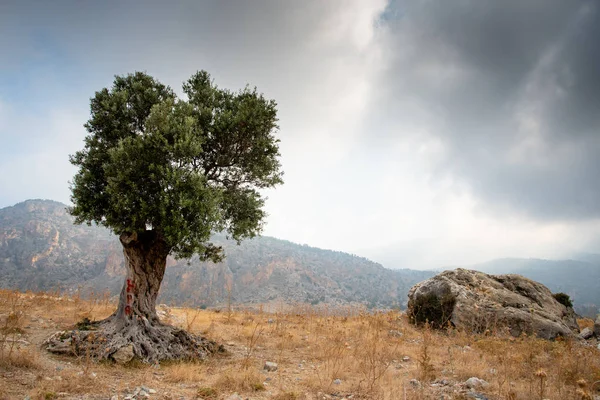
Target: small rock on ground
{"points": [[476, 396], [123, 355], [474, 383], [395, 333], [586, 333], [270, 366]]}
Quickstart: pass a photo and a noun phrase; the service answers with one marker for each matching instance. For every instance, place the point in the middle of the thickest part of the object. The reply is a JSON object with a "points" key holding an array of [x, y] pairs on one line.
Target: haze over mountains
{"points": [[580, 279], [41, 249]]}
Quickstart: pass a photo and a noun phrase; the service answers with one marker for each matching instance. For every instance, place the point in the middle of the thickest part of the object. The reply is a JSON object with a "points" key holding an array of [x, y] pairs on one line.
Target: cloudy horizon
{"points": [[414, 133]]}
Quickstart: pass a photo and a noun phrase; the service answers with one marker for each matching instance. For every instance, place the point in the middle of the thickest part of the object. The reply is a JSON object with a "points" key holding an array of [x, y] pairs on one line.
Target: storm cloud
{"points": [[419, 133], [512, 91]]}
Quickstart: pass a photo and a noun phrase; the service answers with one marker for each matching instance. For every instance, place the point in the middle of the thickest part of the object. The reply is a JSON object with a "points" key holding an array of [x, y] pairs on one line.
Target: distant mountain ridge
{"points": [[579, 279], [41, 249]]}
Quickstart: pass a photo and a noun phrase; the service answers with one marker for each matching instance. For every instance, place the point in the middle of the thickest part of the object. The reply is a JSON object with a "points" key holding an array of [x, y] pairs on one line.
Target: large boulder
{"points": [[597, 326], [478, 302]]}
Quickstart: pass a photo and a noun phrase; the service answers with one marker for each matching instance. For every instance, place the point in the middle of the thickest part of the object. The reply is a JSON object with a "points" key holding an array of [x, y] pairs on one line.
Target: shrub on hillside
{"points": [[563, 299]]}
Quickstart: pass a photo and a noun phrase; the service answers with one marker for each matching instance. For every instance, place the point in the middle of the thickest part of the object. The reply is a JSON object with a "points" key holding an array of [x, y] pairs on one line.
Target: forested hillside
{"points": [[41, 249]]}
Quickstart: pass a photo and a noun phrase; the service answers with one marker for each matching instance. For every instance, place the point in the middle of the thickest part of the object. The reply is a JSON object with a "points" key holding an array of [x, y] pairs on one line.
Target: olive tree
{"points": [[164, 173]]}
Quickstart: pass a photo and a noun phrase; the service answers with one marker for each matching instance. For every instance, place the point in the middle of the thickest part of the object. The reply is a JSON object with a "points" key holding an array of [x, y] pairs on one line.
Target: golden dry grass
{"points": [[320, 352], [585, 323]]}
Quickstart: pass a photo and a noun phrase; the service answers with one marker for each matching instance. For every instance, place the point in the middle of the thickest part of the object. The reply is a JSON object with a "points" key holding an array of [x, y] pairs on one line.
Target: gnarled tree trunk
{"points": [[145, 260], [134, 329]]}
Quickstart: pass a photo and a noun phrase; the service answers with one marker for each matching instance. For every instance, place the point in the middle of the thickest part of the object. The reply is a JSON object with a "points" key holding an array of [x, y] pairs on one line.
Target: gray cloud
{"points": [[418, 133], [512, 91]]}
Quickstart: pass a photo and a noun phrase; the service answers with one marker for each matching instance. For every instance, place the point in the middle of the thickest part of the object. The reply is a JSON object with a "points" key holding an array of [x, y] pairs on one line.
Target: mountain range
{"points": [[579, 278], [41, 249]]}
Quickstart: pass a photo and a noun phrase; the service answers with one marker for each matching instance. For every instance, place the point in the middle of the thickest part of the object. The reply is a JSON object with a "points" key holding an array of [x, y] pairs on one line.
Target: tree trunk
{"points": [[134, 329], [145, 261]]}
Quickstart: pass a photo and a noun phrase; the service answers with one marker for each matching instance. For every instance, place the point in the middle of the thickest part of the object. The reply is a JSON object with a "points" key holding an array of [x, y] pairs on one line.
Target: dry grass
{"points": [[184, 372], [585, 323], [319, 351], [246, 381], [289, 396], [14, 351]]}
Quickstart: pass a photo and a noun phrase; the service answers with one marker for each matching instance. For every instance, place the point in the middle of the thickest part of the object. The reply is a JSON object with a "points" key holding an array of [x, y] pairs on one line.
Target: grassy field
{"points": [[321, 353]]}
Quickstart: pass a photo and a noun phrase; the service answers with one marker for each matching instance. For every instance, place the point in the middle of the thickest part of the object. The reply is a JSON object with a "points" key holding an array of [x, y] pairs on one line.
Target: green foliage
{"points": [[182, 168], [563, 299]]}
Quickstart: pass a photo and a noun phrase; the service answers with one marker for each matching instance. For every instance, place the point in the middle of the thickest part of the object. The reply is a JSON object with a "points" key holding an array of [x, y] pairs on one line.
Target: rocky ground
{"points": [[302, 353]]}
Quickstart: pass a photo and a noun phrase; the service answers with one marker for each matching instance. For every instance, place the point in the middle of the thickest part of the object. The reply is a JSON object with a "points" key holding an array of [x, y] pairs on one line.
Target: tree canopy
{"points": [[181, 168]]}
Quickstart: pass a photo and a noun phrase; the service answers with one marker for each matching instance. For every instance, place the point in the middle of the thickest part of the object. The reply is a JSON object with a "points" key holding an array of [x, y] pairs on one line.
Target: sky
{"points": [[416, 133]]}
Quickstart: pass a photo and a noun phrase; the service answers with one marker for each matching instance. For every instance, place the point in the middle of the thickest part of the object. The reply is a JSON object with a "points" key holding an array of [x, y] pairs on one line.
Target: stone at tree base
{"points": [[479, 302], [586, 333], [124, 354]]}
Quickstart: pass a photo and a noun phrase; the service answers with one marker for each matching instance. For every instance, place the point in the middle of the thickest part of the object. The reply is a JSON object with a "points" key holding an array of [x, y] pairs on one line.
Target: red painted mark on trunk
{"points": [[129, 297]]}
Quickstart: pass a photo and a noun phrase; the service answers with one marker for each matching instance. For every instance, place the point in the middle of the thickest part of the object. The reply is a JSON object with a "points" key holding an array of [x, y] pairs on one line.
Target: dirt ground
{"points": [[321, 353]]}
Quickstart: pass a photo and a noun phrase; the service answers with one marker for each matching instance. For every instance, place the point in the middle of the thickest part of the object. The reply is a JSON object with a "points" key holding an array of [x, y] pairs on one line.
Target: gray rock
{"points": [[164, 313], [475, 383], [124, 354], [337, 382], [270, 366], [476, 396], [406, 358], [586, 333], [475, 301], [597, 326], [395, 333]]}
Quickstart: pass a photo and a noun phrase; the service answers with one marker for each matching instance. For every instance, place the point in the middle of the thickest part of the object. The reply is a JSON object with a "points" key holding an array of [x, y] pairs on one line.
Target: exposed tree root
{"points": [[118, 339]]}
